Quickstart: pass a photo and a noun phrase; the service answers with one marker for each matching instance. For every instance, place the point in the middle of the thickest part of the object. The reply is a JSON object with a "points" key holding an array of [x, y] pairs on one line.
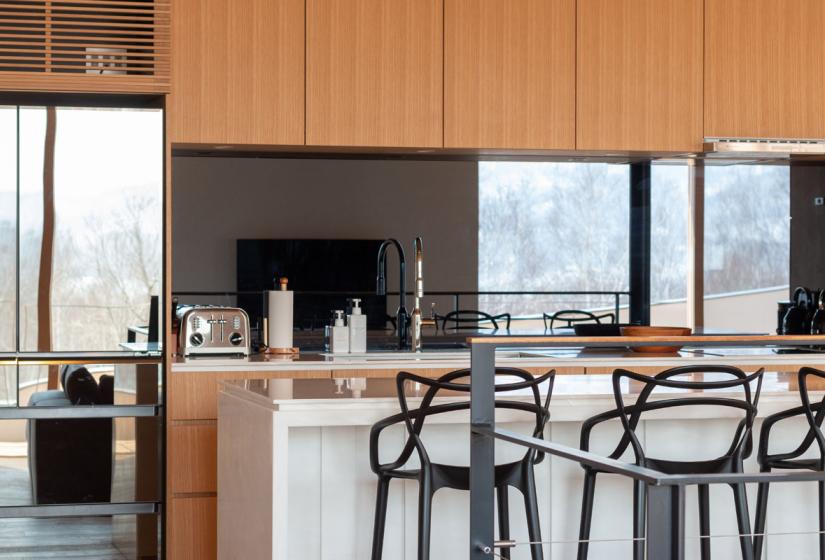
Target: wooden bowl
{"points": [[636, 330]]}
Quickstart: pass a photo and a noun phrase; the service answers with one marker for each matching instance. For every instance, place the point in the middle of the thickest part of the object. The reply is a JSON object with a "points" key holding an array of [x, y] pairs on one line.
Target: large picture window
{"points": [[552, 227], [564, 227]]}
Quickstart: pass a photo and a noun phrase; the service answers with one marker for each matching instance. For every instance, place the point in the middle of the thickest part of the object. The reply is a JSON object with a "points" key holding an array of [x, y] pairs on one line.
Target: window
{"points": [[552, 227], [107, 200], [669, 252], [747, 245], [564, 227]]}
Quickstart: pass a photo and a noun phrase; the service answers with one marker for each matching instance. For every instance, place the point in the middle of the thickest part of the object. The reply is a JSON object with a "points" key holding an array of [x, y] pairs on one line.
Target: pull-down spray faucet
{"points": [[381, 287]]}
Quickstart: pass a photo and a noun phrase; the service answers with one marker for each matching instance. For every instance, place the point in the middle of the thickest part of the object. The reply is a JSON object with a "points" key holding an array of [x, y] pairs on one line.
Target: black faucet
{"points": [[381, 287]]}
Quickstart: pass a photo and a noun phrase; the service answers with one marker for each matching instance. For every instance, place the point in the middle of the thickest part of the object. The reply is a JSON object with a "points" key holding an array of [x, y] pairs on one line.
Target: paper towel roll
{"points": [[280, 319]]}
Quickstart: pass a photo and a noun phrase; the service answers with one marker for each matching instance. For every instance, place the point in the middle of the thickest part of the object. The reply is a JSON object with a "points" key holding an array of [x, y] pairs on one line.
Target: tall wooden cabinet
{"points": [[765, 68], [374, 73], [639, 75], [509, 74], [237, 72]]}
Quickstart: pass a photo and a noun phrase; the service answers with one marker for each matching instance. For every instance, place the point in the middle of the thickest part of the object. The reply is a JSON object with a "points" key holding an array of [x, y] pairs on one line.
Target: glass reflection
{"points": [[79, 460], [89, 384], [8, 228], [90, 240], [8, 385], [102, 538]]}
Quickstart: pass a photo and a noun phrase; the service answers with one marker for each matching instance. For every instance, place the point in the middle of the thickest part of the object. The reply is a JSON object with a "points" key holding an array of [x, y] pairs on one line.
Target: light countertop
{"points": [[528, 357]]}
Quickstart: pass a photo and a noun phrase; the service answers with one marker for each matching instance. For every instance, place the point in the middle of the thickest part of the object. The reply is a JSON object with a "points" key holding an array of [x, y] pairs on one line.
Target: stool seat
{"points": [[726, 464]]}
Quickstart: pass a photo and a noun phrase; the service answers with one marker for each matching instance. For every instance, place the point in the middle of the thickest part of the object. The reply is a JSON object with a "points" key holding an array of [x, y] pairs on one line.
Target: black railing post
{"points": [[640, 225], [482, 451], [666, 522]]}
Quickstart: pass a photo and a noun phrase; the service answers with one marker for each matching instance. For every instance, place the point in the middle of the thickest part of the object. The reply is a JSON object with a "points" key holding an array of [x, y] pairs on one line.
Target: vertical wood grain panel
{"points": [[765, 68], [193, 458], [238, 72], [192, 529], [639, 75], [374, 73], [509, 74]]}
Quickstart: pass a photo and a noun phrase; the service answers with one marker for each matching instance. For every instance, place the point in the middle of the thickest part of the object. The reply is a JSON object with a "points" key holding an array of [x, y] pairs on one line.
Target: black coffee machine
{"points": [[803, 314]]}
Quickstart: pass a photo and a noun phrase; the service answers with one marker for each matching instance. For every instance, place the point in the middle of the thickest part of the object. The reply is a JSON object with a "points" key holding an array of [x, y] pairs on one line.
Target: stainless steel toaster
{"points": [[213, 330]]}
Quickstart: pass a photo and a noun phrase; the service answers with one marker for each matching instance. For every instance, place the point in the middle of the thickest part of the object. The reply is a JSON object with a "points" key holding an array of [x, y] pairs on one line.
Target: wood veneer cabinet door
{"points": [[374, 73], [765, 68], [237, 72], [509, 74], [639, 75], [192, 529]]}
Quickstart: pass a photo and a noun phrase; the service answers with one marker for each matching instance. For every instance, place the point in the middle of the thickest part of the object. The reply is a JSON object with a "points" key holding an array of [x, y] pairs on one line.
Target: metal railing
{"points": [[665, 535], [456, 295]]}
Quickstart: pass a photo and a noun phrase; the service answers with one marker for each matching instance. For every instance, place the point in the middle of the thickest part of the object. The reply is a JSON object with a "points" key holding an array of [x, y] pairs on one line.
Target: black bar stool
{"points": [[432, 476], [730, 462], [472, 319], [792, 460], [574, 316]]}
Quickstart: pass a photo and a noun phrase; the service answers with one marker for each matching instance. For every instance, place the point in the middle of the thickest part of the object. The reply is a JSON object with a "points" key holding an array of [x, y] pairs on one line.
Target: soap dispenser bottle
{"points": [[357, 325], [337, 334]]}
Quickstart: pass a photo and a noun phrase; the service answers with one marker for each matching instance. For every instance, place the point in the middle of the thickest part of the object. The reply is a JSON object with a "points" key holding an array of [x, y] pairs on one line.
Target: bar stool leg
{"points": [[704, 521], [743, 520], [762, 517], [425, 507], [531, 506], [381, 497], [639, 506], [502, 500], [587, 513]]}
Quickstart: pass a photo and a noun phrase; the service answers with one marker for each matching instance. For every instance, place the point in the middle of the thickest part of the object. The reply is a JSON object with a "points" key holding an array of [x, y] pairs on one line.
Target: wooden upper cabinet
{"points": [[639, 75], [237, 72], [509, 74], [374, 73], [765, 69]]}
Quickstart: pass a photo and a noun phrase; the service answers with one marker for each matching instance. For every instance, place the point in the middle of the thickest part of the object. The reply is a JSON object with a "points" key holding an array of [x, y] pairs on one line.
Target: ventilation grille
{"points": [[119, 46]]}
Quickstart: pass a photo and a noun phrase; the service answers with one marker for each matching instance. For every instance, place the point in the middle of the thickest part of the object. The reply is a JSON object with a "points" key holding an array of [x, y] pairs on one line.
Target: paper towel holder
{"points": [[282, 286]]}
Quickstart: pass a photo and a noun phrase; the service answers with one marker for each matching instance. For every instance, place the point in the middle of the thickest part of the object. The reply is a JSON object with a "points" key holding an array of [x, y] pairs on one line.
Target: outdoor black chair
{"points": [[472, 319], [568, 317], [729, 462], [793, 459], [433, 476]]}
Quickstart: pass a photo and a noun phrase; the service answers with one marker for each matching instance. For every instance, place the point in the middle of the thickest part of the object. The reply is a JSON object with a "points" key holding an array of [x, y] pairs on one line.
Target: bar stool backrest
{"points": [[570, 316], [630, 415], [472, 319], [415, 419], [813, 413]]}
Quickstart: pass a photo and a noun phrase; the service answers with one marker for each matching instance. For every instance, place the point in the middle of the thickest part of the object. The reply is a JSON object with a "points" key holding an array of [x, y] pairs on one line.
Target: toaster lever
{"points": [[212, 322]]}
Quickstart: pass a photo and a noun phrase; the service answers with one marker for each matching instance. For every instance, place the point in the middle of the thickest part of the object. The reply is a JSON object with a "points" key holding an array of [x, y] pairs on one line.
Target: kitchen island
{"points": [[193, 387], [294, 478]]}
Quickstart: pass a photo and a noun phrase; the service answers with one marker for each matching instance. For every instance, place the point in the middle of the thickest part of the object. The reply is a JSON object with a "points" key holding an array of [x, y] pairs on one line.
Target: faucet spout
{"points": [[381, 287], [415, 317]]}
